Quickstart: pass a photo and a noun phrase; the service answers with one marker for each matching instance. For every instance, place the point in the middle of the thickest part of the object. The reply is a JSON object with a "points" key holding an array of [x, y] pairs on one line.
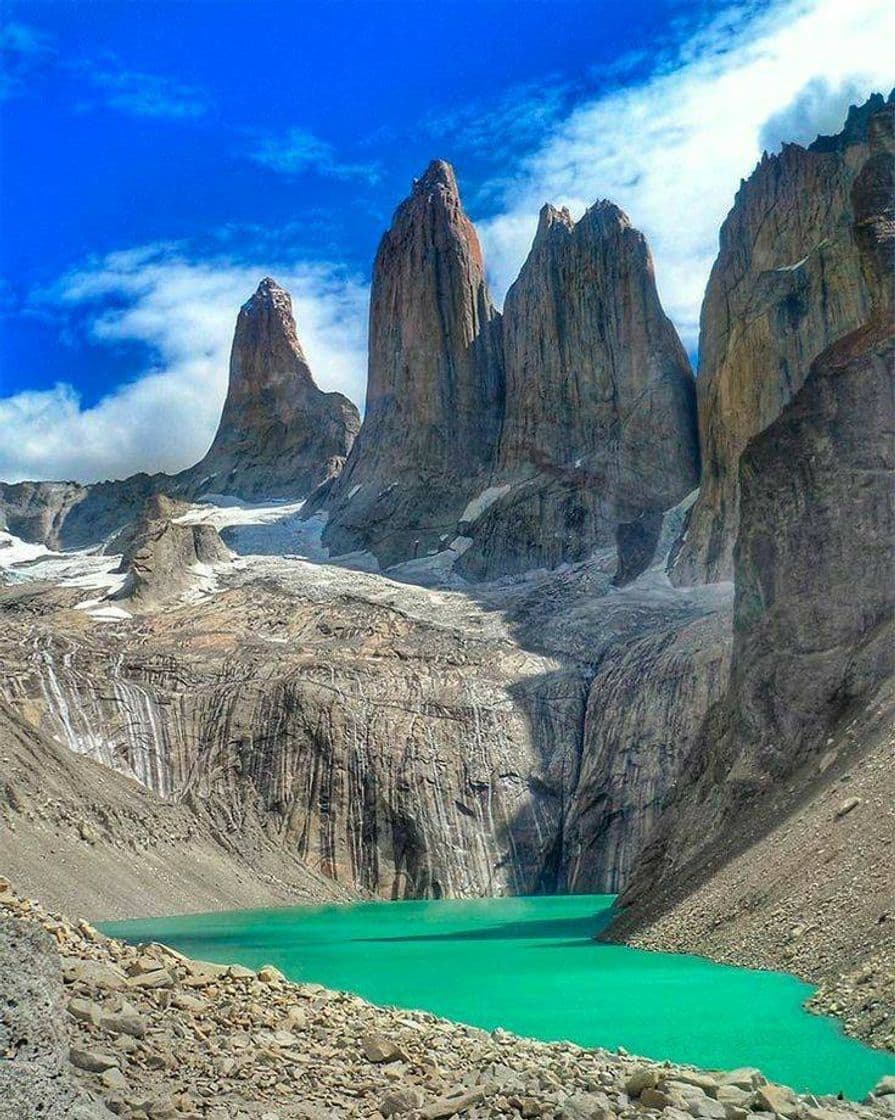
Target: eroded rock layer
{"points": [[401, 741]]}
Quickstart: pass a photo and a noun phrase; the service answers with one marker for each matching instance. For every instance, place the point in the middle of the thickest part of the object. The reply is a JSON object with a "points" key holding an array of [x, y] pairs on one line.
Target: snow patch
{"points": [[274, 528], [13, 550], [104, 577], [487, 498], [103, 611]]}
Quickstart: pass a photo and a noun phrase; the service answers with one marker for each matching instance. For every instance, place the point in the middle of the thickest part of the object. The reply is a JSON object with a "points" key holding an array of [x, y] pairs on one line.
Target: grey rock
{"points": [[126, 1020], [401, 1101], [93, 1061]]}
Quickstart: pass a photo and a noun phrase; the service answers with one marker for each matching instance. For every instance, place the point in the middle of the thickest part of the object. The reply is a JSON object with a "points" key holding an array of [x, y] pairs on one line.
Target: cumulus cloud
{"points": [[816, 110], [297, 151], [671, 149], [184, 311]]}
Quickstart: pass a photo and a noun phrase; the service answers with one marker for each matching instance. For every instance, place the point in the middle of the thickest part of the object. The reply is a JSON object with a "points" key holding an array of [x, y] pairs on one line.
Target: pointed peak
{"points": [[439, 173], [269, 294], [268, 284], [550, 218], [606, 214]]}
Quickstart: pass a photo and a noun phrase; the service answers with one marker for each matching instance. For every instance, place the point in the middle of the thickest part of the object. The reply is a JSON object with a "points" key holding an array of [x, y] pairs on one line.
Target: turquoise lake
{"points": [[531, 965]]}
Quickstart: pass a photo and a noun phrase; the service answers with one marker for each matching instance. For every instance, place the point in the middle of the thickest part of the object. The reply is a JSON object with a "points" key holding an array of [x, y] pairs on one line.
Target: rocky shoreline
{"points": [[93, 1028]]}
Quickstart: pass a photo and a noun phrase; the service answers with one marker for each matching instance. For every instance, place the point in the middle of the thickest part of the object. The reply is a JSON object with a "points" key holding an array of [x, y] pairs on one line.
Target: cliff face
{"points": [[406, 742], [786, 284], [600, 423], [799, 742], [82, 835], [435, 385], [279, 435]]}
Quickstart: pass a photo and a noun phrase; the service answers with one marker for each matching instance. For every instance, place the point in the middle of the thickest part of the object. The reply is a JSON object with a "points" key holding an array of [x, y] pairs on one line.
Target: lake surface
{"points": [[531, 965]]}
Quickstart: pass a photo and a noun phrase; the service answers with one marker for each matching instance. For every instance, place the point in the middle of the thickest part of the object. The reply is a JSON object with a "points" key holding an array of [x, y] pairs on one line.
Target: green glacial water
{"points": [[531, 965]]}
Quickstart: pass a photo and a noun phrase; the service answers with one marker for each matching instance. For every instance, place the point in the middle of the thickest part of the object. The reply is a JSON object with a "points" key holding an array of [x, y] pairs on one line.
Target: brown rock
{"points": [[379, 1049], [400, 1101], [279, 434], [786, 284], [435, 387]]}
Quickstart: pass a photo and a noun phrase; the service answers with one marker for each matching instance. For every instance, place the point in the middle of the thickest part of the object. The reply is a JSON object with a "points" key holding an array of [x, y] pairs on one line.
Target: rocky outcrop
{"points": [[36, 1079], [435, 384], [279, 434], [600, 419], [786, 284], [163, 559], [797, 746]]}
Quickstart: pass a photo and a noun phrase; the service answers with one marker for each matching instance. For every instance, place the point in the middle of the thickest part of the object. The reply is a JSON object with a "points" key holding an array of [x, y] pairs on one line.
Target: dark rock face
{"points": [[279, 435], [600, 419], [814, 637], [435, 388], [786, 284], [645, 711]]}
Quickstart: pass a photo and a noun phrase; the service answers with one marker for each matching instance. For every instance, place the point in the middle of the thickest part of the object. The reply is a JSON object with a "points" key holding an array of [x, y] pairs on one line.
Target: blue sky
{"points": [[159, 158]]}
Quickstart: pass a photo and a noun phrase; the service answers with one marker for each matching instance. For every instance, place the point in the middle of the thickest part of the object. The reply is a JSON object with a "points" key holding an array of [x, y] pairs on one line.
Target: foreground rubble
{"points": [[93, 1028]]}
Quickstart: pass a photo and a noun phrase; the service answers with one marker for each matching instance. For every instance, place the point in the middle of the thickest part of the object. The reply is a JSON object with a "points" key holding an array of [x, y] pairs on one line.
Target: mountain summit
{"points": [[435, 386], [279, 434]]}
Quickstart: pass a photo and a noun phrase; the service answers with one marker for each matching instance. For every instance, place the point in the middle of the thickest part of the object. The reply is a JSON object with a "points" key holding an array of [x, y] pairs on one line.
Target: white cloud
{"points": [[140, 94], [23, 48], [297, 151], [185, 311], [672, 150]]}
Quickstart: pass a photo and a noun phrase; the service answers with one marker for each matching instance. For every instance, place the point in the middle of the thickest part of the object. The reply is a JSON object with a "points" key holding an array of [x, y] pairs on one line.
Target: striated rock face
{"points": [[600, 419], [810, 694], [645, 709], [435, 387], [786, 284], [81, 835], [279, 435], [401, 741]]}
